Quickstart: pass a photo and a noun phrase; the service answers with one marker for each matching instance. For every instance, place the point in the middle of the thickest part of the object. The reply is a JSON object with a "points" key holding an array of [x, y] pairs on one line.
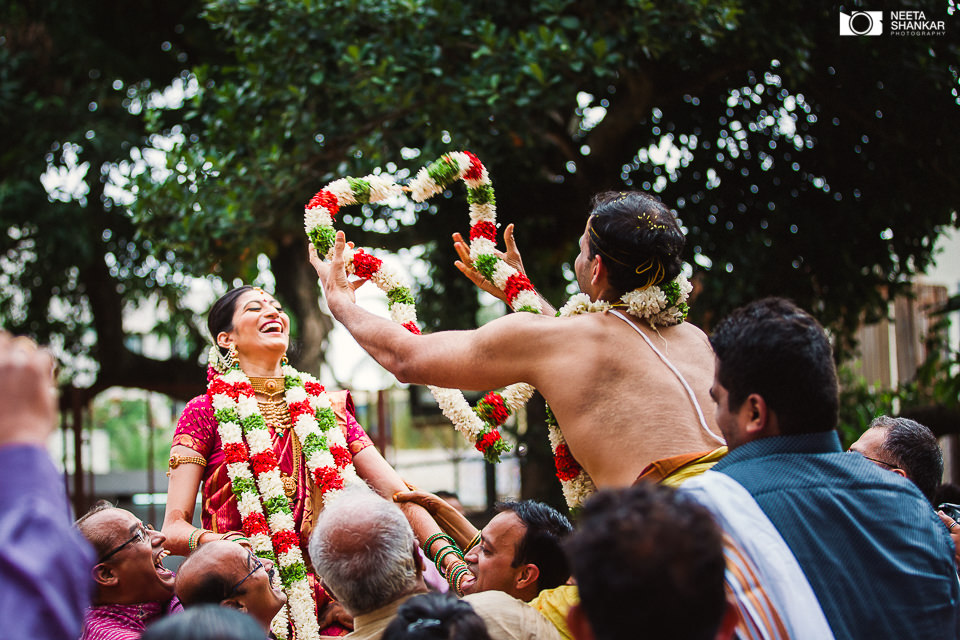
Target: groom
{"points": [[618, 403]]}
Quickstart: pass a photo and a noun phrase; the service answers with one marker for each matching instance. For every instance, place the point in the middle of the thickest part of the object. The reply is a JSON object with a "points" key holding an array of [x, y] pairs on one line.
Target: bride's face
{"points": [[260, 326]]}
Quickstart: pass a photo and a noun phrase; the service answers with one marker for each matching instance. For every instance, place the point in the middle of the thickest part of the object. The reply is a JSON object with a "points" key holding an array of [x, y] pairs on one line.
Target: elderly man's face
{"points": [[134, 556], [247, 576], [252, 586]]}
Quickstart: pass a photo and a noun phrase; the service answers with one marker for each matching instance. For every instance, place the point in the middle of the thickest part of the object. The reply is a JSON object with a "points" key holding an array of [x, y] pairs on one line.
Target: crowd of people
{"points": [[721, 503]]}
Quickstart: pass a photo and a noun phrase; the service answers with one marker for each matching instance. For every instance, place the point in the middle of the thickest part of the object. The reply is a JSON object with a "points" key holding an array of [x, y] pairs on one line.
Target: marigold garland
{"points": [[253, 469]]}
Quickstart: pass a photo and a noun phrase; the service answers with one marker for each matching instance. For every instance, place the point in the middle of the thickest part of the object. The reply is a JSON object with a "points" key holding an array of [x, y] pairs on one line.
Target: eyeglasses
{"points": [[142, 535], [886, 464], [257, 566]]}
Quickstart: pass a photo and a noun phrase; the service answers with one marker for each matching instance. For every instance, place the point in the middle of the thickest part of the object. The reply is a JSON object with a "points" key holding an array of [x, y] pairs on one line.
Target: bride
{"points": [[265, 447]]}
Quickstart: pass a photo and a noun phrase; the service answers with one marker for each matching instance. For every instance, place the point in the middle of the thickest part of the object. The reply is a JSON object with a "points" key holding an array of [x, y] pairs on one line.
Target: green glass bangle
{"points": [[455, 573], [458, 587], [429, 542], [444, 552]]}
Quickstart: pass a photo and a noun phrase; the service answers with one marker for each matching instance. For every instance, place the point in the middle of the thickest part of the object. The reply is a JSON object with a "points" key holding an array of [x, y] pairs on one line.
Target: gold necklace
{"points": [[268, 386], [276, 413]]}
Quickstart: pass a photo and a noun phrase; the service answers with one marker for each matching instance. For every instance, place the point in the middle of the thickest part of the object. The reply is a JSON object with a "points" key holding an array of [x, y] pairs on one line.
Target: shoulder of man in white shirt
{"points": [[508, 618]]}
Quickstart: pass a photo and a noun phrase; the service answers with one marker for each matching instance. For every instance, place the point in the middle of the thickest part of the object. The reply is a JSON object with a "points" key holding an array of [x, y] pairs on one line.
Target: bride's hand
{"points": [[465, 264]]}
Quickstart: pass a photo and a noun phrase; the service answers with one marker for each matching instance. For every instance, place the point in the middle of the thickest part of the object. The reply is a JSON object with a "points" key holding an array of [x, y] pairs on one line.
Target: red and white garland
{"points": [[254, 472], [480, 426]]}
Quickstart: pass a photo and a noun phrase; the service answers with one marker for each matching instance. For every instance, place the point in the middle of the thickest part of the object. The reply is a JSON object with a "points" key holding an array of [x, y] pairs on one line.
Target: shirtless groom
{"points": [[618, 404]]}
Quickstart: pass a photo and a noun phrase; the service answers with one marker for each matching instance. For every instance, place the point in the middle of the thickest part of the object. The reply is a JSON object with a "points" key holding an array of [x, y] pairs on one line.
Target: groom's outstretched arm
{"points": [[514, 348]]}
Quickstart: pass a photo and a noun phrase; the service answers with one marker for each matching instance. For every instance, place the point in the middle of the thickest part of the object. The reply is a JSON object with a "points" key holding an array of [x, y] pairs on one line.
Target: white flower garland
{"points": [[430, 180], [254, 473]]}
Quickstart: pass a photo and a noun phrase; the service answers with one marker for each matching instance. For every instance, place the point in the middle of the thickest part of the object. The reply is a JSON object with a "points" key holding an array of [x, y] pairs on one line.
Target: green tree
{"points": [[802, 163], [786, 142], [797, 159], [75, 80]]}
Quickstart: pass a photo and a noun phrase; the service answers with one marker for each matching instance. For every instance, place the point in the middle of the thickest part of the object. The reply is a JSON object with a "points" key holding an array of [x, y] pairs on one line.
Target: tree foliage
{"points": [[75, 79], [136, 440], [797, 159], [802, 163]]}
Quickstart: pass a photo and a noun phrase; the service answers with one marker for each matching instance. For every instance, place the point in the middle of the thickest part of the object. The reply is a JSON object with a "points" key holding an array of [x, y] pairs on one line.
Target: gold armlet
{"points": [[177, 460]]}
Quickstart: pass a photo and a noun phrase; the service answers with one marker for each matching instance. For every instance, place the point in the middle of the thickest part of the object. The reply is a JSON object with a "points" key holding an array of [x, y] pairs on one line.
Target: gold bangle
{"points": [[473, 543], [194, 540], [234, 535], [177, 460]]}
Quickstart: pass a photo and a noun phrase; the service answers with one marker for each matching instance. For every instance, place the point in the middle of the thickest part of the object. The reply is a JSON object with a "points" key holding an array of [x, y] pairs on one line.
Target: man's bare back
{"points": [[618, 405]]}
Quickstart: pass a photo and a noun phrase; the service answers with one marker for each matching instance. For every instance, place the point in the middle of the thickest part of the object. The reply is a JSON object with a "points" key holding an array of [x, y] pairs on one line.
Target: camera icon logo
{"points": [[861, 23]]}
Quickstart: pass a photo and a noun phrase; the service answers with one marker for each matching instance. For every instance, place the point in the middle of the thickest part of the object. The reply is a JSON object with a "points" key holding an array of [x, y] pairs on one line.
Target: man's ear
{"points": [[578, 624], [418, 559], [528, 577], [900, 472], [756, 418], [104, 575], [234, 603], [598, 270]]}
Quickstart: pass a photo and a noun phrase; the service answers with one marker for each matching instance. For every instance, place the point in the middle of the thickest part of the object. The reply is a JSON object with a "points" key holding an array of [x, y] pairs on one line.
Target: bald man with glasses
{"points": [[133, 588], [228, 573]]}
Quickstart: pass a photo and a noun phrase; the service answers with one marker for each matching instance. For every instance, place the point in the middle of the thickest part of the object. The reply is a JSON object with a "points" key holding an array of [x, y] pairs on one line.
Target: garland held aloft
{"points": [[660, 306], [480, 426]]}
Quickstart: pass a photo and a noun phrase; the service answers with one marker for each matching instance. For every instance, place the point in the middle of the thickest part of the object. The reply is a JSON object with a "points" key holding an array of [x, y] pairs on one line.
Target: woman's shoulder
{"points": [[197, 412], [199, 403]]}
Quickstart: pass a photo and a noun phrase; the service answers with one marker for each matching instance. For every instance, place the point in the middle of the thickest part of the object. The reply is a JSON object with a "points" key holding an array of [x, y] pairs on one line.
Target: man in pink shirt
{"points": [[133, 588]]}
